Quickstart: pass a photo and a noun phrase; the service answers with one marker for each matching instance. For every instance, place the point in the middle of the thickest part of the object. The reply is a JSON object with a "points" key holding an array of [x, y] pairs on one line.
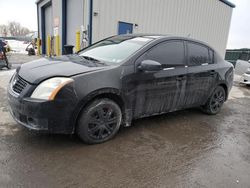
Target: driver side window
{"points": [[169, 54]]}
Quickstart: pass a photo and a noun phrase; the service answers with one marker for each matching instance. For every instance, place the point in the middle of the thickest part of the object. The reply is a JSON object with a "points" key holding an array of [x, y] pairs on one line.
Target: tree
{"points": [[3, 30], [14, 29], [24, 31]]}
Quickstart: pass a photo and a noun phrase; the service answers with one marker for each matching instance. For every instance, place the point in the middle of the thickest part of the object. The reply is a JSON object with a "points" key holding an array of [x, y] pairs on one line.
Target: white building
{"points": [[205, 20]]}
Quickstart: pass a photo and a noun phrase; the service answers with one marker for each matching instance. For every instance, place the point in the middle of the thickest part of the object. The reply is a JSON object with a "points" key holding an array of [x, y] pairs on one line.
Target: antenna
{"points": [[189, 35]]}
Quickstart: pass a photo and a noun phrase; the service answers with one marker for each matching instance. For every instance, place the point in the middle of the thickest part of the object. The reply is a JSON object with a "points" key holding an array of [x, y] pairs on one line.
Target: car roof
{"points": [[153, 36], [165, 36]]}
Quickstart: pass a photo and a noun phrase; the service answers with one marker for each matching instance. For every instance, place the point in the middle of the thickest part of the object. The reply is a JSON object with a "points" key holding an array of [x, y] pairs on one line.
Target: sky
{"points": [[239, 35], [24, 11]]}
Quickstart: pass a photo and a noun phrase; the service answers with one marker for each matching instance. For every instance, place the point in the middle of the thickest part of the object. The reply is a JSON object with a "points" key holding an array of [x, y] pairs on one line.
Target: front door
{"points": [[125, 28], [161, 91]]}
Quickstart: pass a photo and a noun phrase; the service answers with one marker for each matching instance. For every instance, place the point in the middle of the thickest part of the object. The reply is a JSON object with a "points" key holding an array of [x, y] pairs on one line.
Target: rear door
{"points": [[164, 90], [201, 75]]}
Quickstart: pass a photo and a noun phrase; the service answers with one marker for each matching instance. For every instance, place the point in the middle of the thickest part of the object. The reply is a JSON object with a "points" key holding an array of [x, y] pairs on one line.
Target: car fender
{"points": [[105, 93]]}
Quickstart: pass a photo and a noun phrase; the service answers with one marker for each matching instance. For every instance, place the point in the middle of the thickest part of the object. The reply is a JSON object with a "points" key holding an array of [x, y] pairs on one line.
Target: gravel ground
{"points": [[180, 149]]}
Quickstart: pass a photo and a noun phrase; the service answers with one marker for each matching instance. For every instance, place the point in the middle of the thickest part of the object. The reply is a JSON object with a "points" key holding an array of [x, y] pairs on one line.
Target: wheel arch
{"points": [[225, 87], [110, 93]]}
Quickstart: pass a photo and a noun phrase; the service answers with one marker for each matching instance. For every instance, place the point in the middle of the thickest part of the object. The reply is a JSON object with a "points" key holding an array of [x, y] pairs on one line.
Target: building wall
{"points": [[206, 20], [77, 18], [55, 14]]}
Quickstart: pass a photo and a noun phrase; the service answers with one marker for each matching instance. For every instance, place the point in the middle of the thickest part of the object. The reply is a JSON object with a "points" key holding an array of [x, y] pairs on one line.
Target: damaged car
{"points": [[107, 85]]}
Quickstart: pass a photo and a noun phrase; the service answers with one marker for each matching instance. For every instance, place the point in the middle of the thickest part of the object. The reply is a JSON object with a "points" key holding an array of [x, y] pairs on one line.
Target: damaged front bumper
{"points": [[41, 115]]}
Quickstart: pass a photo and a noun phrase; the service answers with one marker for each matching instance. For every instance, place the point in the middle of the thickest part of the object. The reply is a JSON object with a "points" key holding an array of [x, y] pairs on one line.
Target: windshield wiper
{"points": [[93, 60]]}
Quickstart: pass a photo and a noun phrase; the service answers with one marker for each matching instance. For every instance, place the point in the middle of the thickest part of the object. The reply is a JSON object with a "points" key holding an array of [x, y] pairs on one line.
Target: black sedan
{"points": [[105, 86]]}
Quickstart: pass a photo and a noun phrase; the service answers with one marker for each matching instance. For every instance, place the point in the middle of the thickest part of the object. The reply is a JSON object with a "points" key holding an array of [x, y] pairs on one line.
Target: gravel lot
{"points": [[180, 149]]}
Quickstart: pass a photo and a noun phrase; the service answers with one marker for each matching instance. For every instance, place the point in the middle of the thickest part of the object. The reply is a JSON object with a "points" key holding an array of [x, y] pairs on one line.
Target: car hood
{"points": [[38, 70]]}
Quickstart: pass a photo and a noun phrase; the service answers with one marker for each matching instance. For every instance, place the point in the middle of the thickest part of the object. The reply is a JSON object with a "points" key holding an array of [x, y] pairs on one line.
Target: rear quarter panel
{"points": [[226, 74]]}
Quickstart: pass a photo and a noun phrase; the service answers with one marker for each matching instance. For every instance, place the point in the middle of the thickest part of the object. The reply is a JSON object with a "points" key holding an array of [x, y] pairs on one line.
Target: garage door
{"points": [[48, 20], [74, 19], [46, 26]]}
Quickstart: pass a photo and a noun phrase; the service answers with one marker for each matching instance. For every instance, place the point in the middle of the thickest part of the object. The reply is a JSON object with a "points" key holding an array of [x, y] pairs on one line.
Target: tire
{"points": [[215, 101], [99, 121]]}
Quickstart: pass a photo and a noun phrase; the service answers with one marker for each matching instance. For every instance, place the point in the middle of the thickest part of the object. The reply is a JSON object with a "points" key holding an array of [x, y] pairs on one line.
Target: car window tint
{"points": [[169, 54], [197, 54]]}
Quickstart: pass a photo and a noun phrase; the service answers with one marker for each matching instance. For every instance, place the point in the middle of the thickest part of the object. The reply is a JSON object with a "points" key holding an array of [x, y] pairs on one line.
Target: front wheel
{"points": [[215, 101], [99, 121]]}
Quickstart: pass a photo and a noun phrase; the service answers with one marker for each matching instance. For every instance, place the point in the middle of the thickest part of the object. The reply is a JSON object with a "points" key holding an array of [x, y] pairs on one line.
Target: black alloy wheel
{"points": [[100, 121], [215, 102]]}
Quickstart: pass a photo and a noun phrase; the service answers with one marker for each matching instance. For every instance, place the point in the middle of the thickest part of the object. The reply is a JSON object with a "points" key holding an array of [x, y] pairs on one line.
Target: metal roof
{"points": [[223, 1], [228, 3]]}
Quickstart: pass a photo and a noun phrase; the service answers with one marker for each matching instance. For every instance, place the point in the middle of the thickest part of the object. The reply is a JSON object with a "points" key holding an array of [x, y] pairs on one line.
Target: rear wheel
{"points": [[99, 121], [215, 101]]}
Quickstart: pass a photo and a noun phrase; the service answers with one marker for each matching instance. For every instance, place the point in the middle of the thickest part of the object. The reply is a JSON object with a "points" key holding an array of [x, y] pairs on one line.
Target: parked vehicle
{"points": [[3, 57], [246, 77], [107, 85], [242, 70]]}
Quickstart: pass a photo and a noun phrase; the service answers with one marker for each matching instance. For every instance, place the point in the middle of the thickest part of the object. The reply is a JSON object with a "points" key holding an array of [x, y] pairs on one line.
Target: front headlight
{"points": [[49, 88]]}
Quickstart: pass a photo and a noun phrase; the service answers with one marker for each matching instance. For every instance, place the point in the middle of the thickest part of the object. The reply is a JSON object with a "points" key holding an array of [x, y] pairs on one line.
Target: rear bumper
{"points": [[40, 115]]}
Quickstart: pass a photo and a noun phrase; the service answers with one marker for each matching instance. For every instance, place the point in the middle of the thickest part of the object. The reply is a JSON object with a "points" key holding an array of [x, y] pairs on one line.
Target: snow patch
{"points": [[17, 46]]}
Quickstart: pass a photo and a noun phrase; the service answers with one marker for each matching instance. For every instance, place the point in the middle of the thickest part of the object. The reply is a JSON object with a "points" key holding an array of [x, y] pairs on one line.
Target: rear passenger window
{"points": [[197, 54], [169, 53]]}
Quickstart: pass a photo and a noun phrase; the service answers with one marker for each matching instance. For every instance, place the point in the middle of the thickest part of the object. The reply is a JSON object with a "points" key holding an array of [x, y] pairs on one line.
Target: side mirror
{"points": [[149, 65]]}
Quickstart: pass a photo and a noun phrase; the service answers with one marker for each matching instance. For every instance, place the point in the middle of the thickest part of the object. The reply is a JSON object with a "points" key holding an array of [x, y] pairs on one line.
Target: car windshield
{"points": [[114, 50]]}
